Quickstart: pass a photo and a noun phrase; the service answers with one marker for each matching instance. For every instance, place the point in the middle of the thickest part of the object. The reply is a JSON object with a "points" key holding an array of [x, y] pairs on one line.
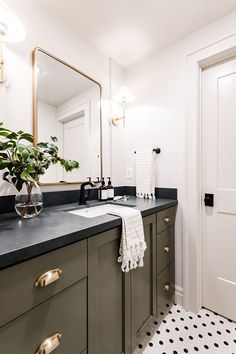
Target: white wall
{"points": [[157, 117], [43, 30], [47, 121], [46, 128]]}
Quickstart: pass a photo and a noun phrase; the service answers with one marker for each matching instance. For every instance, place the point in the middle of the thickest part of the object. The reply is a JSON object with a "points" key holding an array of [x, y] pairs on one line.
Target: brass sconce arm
{"points": [[123, 97], [116, 120]]}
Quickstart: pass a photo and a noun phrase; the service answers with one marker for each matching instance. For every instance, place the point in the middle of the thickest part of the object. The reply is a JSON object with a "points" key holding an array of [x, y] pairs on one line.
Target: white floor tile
{"points": [[180, 331]]}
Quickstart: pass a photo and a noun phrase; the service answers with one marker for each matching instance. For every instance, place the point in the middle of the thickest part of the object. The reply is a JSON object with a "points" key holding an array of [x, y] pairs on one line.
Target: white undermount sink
{"points": [[96, 211]]}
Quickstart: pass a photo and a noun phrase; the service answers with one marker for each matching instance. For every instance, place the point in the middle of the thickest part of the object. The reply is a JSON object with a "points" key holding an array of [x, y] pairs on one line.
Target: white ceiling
{"points": [[130, 30]]}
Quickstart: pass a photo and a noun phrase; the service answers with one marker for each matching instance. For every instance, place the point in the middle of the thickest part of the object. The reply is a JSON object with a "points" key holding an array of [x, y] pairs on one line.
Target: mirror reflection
{"points": [[67, 105]]}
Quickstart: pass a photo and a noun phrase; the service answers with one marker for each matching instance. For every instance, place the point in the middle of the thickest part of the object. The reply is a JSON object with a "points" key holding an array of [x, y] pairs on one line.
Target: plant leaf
{"points": [[19, 183], [25, 154], [26, 136], [4, 164], [42, 145], [26, 176], [30, 169], [5, 174], [26, 163], [4, 132]]}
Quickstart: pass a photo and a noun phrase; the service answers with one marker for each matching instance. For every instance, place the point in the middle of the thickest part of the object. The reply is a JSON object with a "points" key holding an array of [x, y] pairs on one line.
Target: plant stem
{"points": [[29, 201]]}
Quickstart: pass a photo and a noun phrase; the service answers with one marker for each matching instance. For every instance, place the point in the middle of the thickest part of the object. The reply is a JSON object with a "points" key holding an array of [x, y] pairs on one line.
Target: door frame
{"points": [[192, 221]]}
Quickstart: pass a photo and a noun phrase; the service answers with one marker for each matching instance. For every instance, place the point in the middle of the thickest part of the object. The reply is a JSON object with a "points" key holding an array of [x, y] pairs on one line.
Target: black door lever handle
{"points": [[209, 199]]}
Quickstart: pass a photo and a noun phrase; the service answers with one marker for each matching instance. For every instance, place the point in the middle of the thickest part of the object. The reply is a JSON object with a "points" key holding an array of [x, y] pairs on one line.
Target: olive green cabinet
{"points": [[76, 300], [123, 306], [62, 321], [143, 286], [18, 291], [165, 287], [165, 258], [44, 303], [108, 296]]}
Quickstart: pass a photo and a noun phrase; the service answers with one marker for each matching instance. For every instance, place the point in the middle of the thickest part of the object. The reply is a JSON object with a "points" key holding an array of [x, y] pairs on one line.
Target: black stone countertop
{"points": [[21, 239]]}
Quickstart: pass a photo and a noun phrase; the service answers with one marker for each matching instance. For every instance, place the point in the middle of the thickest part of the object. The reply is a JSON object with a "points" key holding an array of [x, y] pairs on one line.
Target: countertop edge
{"points": [[23, 254]]}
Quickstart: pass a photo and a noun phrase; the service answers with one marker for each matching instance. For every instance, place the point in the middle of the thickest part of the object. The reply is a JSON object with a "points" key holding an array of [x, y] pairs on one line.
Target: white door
{"points": [[75, 147], [219, 178]]}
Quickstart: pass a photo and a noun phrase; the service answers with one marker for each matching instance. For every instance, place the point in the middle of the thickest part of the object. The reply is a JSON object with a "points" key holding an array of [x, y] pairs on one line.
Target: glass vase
{"points": [[29, 201]]}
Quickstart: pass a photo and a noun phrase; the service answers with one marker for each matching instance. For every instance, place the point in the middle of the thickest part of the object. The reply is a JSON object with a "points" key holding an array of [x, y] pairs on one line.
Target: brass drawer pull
{"points": [[166, 220], [166, 249], [50, 344], [49, 277], [167, 287]]}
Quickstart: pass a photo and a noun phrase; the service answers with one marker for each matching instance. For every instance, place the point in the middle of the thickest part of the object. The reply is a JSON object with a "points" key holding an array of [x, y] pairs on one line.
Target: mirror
{"points": [[67, 104]]}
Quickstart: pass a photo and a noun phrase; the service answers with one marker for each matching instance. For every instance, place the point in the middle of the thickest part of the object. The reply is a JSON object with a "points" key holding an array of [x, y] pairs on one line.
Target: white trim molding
{"points": [[192, 260], [178, 298]]}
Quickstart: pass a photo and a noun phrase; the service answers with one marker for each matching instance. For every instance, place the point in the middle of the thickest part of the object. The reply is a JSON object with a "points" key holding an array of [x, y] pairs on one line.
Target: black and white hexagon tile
{"points": [[178, 331]]}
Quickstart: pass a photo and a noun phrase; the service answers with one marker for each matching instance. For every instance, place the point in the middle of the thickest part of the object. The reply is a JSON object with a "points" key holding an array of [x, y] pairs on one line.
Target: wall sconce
{"points": [[11, 30], [122, 97]]}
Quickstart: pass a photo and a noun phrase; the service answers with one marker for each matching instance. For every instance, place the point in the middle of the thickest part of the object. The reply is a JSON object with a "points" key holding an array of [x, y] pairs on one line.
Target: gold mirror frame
{"points": [[35, 108]]}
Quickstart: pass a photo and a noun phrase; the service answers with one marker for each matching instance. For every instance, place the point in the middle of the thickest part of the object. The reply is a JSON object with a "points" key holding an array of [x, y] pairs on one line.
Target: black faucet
{"points": [[83, 198]]}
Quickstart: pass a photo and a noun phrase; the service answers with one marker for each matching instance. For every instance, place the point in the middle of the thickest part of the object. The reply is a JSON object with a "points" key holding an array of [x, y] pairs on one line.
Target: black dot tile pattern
{"points": [[178, 331]]}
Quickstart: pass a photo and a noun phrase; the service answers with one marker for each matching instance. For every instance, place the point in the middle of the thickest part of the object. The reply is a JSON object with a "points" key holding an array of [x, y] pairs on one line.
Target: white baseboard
{"points": [[178, 295]]}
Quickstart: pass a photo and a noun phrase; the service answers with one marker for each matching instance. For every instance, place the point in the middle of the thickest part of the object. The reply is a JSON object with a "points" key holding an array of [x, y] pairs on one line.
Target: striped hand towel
{"points": [[145, 183], [132, 245]]}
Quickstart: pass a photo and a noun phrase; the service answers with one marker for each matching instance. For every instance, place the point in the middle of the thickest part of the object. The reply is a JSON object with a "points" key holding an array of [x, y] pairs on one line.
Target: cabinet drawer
{"points": [[165, 287], [65, 314], [18, 292], [165, 248], [165, 219]]}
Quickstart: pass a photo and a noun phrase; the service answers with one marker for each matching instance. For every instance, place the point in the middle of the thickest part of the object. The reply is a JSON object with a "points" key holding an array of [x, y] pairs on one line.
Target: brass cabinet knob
{"points": [[167, 220], [167, 287], [49, 277], [50, 344], [166, 249]]}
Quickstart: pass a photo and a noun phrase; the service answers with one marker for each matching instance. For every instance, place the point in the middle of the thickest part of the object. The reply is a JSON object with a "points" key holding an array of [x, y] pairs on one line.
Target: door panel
{"points": [[226, 130], [108, 296], [75, 147], [226, 201], [219, 178], [226, 238]]}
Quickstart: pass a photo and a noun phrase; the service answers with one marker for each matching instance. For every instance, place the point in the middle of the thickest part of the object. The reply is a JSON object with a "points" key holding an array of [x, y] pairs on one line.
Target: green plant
{"points": [[25, 163]]}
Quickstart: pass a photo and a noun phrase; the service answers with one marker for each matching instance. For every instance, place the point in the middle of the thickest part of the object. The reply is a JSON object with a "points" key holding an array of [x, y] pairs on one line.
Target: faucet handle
{"points": [[97, 181], [89, 178]]}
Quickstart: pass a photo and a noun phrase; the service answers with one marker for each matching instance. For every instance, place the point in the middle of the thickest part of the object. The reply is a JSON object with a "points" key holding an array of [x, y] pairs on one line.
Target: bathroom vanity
{"points": [[62, 288]]}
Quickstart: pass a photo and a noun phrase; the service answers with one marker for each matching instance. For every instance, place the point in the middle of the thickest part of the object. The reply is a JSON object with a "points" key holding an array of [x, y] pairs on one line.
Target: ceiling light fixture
{"points": [[11, 30], [122, 97]]}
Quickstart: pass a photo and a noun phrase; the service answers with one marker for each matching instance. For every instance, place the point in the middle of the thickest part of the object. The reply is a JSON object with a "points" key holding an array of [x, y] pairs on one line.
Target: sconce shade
{"points": [[123, 96], [11, 28]]}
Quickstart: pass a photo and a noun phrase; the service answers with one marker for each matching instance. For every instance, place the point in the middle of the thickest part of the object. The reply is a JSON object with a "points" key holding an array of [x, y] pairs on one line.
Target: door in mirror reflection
{"points": [[67, 105]]}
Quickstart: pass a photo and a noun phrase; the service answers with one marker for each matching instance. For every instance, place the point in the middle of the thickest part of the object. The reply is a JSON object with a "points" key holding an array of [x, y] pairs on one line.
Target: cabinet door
{"points": [[143, 286], [165, 287], [108, 298], [165, 248]]}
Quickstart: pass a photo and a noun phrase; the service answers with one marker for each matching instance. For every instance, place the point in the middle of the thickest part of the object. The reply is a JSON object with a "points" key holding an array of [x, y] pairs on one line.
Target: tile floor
{"points": [[178, 331]]}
